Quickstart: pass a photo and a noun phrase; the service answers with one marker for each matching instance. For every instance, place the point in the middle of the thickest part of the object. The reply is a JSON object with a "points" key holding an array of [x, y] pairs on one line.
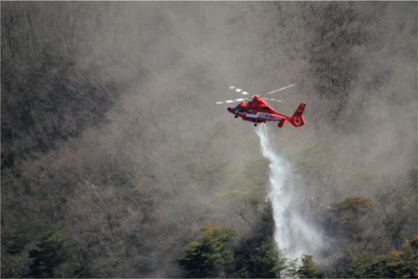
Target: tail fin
{"points": [[297, 119]]}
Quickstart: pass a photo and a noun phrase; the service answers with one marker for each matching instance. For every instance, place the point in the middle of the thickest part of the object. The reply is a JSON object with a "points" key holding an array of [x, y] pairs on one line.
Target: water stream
{"points": [[294, 234]]}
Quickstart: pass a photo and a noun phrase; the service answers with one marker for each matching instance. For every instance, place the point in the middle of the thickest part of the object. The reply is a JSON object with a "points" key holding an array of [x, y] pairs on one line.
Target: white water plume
{"points": [[293, 234]]}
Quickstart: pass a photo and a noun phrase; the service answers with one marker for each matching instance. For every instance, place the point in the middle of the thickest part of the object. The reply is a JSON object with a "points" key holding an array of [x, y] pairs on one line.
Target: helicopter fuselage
{"points": [[258, 110]]}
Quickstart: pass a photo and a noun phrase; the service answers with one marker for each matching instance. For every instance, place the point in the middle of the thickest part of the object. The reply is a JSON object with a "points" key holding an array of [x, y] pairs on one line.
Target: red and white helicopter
{"points": [[257, 110]]}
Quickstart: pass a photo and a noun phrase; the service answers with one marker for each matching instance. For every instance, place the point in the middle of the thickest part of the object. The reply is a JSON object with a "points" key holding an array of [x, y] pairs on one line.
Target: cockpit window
{"points": [[244, 109]]}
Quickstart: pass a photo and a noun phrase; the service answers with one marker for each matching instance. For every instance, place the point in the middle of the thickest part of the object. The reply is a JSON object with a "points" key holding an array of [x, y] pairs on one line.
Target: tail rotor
{"points": [[297, 119]]}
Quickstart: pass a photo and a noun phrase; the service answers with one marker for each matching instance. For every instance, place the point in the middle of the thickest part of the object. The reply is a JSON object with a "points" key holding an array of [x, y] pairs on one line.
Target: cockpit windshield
{"points": [[244, 109]]}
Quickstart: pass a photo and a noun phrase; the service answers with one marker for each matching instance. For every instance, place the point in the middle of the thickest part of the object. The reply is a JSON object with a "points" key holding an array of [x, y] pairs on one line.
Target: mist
{"points": [[110, 125]]}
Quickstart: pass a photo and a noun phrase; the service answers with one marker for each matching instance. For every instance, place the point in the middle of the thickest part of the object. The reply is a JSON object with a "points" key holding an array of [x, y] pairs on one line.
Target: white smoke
{"points": [[293, 234]]}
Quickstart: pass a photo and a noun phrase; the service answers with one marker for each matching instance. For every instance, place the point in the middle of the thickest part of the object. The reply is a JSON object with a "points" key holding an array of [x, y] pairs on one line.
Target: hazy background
{"points": [[110, 127]]}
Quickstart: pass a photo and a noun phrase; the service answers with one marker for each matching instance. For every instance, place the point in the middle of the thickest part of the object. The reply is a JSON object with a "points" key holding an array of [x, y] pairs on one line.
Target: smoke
{"points": [[293, 232], [165, 64]]}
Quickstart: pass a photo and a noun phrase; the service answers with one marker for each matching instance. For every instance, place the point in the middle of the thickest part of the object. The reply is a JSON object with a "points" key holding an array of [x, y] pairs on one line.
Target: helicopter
{"points": [[256, 109]]}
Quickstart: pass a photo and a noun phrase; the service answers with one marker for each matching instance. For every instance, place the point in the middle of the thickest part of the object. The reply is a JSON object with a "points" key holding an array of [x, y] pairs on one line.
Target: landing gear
{"points": [[255, 123], [236, 116]]}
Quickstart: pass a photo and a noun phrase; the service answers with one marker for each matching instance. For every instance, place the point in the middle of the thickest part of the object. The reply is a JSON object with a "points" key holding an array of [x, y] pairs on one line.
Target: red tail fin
{"points": [[297, 119]]}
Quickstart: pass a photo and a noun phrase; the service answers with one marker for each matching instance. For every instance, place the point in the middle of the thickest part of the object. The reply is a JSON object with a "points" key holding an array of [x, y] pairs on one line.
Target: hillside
{"points": [[116, 161]]}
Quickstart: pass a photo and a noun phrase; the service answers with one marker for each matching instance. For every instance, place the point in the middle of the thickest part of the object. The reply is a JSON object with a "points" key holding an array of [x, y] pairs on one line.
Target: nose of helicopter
{"points": [[232, 110]]}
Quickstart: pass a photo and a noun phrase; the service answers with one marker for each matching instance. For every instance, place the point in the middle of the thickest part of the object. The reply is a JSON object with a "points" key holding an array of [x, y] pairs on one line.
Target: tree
{"points": [[18, 237], [211, 255], [413, 177], [396, 264], [292, 268], [347, 213], [52, 251], [256, 171], [257, 254], [352, 208], [308, 269], [267, 261]]}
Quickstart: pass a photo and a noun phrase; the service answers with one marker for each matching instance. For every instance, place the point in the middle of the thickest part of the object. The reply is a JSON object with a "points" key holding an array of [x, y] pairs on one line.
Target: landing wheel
{"points": [[236, 116], [255, 124]]}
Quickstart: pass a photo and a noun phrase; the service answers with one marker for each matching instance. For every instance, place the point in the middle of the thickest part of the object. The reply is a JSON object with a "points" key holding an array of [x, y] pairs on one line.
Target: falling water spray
{"points": [[294, 233]]}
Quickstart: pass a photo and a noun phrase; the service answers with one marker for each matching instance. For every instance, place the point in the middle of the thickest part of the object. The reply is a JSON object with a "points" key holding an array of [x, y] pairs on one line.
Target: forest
{"points": [[116, 162]]}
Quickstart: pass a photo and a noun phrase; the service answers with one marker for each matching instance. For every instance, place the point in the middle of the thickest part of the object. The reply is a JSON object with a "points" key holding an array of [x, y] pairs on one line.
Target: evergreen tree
{"points": [[292, 268], [211, 255], [267, 261], [52, 250], [308, 269], [15, 239], [258, 256]]}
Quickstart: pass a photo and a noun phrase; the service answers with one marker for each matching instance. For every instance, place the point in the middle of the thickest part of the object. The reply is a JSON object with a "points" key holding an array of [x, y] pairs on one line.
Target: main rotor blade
{"points": [[277, 90], [274, 100], [231, 101], [239, 90]]}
